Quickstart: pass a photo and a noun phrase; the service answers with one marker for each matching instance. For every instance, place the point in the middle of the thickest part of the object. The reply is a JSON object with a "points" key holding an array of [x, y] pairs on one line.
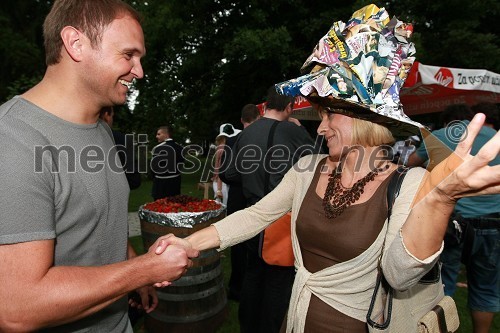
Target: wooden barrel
{"points": [[197, 301]]}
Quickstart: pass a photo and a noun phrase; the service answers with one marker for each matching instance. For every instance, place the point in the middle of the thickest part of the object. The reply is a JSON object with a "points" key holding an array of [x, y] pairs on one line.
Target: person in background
{"points": [[235, 202], [166, 164], [220, 188], [404, 148], [266, 288], [491, 112], [226, 132], [64, 261], [476, 221], [451, 116], [125, 147]]}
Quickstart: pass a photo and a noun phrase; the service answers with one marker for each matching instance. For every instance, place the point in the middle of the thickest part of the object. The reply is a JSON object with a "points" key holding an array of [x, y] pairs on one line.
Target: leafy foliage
{"points": [[207, 58]]}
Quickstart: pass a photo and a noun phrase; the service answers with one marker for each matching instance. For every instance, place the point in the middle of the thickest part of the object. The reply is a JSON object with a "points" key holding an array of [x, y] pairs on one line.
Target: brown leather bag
{"points": [[276, 242]]}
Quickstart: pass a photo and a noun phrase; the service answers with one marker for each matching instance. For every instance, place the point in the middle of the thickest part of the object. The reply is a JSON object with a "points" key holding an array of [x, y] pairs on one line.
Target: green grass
{"points": [[189, 187]]}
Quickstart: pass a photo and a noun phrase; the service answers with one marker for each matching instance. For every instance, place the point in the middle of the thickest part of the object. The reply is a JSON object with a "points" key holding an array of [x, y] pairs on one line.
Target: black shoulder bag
{"points": [[421, 308]]}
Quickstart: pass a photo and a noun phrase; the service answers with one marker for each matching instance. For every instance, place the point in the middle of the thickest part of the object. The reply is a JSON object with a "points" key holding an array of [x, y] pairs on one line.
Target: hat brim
{"points": [[402, 127], [235, 132]]}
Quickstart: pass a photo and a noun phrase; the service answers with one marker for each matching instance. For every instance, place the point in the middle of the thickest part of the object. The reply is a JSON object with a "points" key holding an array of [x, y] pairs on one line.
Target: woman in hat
{"points": [[340, 221], [220, 188]]}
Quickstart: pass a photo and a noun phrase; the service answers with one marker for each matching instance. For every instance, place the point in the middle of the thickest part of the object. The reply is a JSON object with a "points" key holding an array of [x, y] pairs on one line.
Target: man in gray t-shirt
{"points": [[65, 262]]}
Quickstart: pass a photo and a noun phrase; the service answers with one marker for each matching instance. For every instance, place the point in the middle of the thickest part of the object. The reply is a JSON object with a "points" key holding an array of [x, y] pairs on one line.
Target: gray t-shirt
{"points": [[61, 181]]}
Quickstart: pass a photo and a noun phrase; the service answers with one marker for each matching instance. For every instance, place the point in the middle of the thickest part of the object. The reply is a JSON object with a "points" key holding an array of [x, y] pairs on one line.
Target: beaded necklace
{"points": [[338, 198]]}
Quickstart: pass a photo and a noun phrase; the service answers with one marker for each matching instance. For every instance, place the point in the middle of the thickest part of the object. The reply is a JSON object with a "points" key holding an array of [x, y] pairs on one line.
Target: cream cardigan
{"points": [[347, 286]]}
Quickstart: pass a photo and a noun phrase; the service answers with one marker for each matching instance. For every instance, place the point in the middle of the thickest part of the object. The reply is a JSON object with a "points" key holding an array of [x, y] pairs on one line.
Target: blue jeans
{"points": [[450, 257], [483, 270]]}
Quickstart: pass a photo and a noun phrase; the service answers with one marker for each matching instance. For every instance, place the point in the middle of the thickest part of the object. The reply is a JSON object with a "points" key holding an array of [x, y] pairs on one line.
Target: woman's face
{"points": [[337, 130]]}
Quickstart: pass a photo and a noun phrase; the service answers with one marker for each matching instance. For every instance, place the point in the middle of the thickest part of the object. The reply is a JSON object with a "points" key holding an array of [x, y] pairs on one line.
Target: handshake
{"points": [[175, 254], [167, 260]]}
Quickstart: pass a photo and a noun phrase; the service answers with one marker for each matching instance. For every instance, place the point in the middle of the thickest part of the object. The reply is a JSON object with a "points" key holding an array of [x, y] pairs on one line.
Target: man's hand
{"points": [[171, 264], [164, 242]]}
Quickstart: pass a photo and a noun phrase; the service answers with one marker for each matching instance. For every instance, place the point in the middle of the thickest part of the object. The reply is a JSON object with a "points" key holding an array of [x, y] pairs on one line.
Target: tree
{"points": [[207, 58], [21, 45]]}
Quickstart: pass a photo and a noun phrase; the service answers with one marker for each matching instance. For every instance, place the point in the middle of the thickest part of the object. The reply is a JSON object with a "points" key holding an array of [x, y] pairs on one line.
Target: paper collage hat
{"points": [[358, 69]]}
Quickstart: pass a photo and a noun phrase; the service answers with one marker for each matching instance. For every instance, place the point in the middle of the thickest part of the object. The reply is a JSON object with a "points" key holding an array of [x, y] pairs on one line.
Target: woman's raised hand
{"points": [[474, 176]]}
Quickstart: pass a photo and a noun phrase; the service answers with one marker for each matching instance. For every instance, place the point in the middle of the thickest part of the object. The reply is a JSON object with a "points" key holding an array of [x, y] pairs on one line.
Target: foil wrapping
{"points": [[179, 220]]}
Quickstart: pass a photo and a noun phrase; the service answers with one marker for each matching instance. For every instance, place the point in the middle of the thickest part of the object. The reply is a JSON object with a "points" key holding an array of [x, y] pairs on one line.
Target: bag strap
{"points": [[267, 159], [394, 187], [267, 176], [392, 193]]}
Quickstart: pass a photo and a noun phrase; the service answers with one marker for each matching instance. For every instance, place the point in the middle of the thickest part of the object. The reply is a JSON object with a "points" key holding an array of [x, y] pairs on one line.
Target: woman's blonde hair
{"points": [[368, 134], [220, 139]]}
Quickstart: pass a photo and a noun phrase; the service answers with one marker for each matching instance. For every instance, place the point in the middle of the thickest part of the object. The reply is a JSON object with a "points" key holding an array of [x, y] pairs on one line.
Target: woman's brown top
{"points": [[326, 242]]}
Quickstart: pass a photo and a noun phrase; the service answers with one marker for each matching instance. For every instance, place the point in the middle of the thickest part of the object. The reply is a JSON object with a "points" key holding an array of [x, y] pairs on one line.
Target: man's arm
{"points": [[43, 295], [148, 297]]}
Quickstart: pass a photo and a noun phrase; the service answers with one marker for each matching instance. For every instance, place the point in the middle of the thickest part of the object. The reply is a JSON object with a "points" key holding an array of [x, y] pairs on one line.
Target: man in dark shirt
{"points": [[266, 289], [235, 202], [165, 165], [125, 147]]}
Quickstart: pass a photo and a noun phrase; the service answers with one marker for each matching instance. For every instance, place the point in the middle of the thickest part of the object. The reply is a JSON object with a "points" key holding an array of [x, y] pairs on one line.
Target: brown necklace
{"points": [[338, 198]]}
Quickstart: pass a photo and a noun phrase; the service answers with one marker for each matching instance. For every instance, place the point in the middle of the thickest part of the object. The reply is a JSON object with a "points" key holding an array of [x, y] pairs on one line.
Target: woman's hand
{"points": [[170, 239], [462, 175], [206, 238], [474, 176]]}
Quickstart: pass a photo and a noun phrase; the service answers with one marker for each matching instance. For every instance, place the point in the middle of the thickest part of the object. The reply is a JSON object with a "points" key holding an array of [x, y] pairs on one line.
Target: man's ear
{"points": [[73, 40]]}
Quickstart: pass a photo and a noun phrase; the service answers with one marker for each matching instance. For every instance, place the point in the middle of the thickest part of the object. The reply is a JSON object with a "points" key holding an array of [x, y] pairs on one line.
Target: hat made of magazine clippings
{"points": [[358, 69], [228, 130]]}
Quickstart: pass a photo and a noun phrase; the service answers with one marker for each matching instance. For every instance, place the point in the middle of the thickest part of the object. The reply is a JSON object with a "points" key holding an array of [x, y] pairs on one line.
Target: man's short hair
{"points": [[456, 112], [88, 16], [490, 110], [249, 113], [277, 101], [166, 129]]}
